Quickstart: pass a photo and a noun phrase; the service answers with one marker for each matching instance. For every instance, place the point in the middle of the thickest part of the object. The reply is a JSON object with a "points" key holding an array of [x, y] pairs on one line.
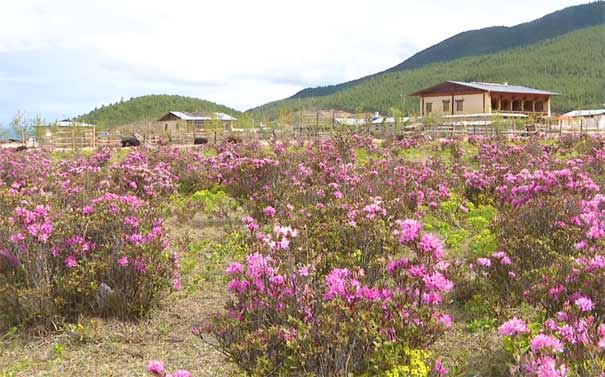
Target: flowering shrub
{"points": [[287, 315], [70, 245]]}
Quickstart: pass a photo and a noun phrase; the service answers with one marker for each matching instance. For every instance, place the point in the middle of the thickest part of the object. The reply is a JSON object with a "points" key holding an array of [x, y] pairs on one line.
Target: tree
{"points": [[22, 126]]}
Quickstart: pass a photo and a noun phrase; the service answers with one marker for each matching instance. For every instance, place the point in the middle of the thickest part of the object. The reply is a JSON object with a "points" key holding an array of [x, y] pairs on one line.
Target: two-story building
{"points": [[455, 98]]}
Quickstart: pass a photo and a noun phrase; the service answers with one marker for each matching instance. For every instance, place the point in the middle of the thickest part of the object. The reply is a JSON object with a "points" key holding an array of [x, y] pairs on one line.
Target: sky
{"points": [[63, 58]]}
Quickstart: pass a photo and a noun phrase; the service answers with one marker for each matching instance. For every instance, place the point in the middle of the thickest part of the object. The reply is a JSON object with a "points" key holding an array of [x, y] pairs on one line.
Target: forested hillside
{"points": [[573, 65], [489, 40], [149, 108]]}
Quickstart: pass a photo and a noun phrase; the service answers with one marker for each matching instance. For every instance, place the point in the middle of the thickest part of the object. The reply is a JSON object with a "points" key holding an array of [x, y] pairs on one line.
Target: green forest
{"points": [[149, 108], [572, 65], [489, 40]]}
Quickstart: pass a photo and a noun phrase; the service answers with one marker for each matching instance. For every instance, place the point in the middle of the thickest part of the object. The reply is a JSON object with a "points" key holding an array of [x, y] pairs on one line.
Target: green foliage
{"points": [[570, 65], [480, 324], [214, 201], [466, 234], [149, 108]]}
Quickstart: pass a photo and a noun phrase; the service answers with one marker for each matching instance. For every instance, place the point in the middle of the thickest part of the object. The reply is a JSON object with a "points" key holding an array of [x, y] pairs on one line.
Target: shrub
{"points": [[288, 317], [69, 246]]}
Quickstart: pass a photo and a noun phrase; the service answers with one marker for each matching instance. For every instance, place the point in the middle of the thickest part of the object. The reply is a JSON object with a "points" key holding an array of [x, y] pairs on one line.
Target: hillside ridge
{"points": [[486, 41], [149, 108]]}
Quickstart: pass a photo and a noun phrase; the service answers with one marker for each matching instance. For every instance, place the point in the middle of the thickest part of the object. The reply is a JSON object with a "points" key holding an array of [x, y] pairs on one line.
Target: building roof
{"points": [[65, 123], [376, 119], [585, 113], [202, 116], [484, 87]]}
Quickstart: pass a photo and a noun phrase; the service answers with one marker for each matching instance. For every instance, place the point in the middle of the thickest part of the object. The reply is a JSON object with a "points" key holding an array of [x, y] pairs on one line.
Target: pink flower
{"points": [[440, 369], [438, 282], [545, 343], [431, 244], [584, 303], [123, 262], [409, 230], [445, 320], [485, 262], [513, 327], [338, 195], [303, 271], [238, 286], [71, 261], [180, 373], [269, 211], [176, 284], [235, 268], [156, 367]]}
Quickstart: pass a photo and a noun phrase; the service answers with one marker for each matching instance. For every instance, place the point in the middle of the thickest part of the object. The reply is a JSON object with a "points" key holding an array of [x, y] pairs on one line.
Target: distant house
{"points": [[454, 98], [583, 119], [46, 130], [181, 120], [51, 133], [375, 122]]}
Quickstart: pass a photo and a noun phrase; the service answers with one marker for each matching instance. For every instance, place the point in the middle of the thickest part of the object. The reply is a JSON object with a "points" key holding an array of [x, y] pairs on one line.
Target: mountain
{"points": [[572, 64], [487, 41], [149, 108]]}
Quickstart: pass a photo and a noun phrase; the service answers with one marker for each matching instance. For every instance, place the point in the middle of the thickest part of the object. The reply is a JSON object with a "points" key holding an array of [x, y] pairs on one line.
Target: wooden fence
{"points": [[69, 139]]}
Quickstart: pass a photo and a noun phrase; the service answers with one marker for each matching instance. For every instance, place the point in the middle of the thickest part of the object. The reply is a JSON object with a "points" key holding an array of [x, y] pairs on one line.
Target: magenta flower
{"points": [[235, 268], [156, 367], [269, 211], [438, 282], [409, 230], [180, 373], [545, 343], [584, 304], [485, 262], [440, 369], [431, 244], [71, 262], [513, 327], [123, 262]]}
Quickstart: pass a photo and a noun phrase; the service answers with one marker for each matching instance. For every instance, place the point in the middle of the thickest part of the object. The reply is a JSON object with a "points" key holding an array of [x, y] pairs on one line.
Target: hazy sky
{"points": [[61, 58]]}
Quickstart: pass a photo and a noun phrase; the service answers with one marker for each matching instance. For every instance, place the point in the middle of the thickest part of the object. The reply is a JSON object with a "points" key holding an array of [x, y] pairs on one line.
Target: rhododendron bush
{"points": [[294, 313], [76, 240]]}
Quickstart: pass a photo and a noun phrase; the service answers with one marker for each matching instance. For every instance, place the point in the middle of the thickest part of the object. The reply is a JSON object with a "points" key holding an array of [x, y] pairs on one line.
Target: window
{"points": [[459, 105], [446, 105], [429, 107]]}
